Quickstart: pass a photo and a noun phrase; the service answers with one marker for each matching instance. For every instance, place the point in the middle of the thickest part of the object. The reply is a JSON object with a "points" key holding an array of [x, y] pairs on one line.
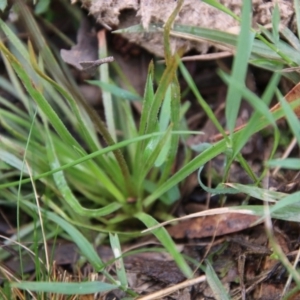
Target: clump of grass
{"points": [[77, 178], [80, 181], [76, 167], [266, 50]]}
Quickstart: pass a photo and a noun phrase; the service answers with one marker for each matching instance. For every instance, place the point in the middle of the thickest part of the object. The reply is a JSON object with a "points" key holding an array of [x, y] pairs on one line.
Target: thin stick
{"points": [[162, 293]]}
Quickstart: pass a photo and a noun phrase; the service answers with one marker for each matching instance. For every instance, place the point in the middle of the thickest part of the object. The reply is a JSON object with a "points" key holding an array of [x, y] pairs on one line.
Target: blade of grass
{"points": [[127, 122], [83, 244], [240, 65], [290, 116], [266, 98], [290, 36], [289, 212], [214, 282], [188, 78], [223, 8], [275, 24], [120, 269], [287, 163], [172, 145], [16, 86], [85, 131], [253, 100], [175, 119], [147, 100], [166, 79], [167, 28], [153, 155], [106, 96], [163, 236], [65, 288], [169, 73], [258, 193], [40, 99]]}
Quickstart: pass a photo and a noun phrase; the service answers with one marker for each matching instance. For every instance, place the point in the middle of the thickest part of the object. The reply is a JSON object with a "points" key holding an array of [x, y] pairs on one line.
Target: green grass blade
{"points": [[14, 40], [168, 75], [150, 157], [65, 288], [283, 204], [83, 244], [120, 269], [291, 117], [222, 8], [3, 5], [166, 79], [83, 126], [275, 24], [106, 96], [240, 64], [290, 36], [286, 211], [148, 98], [259, 106], [77, 237], [40, 99], [188, 78], [255, 118], [17, 86], [258, 193], [253, 100], [13, 161], [167, 28], [163, 236], [214, 282], [175, 119], [287, 163], [164, 121]]}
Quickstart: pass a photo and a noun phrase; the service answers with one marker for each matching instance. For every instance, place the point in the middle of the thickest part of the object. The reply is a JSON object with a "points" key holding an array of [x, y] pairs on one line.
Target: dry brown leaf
{"points": [[213, 225], [86, 48]]}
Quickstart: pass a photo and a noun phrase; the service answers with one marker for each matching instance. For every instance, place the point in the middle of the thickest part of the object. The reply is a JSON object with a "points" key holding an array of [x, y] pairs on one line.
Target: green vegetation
{"points": [[55, 170]]}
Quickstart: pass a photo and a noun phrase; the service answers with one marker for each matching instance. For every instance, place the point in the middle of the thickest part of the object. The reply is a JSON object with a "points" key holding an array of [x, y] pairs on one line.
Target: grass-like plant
{"points": [[74, 167], [263, 49], [54, 167], [55, 170], [268, 51]]}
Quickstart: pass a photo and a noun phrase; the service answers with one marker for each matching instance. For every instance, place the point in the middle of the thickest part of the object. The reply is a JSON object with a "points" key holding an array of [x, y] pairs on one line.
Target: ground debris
{"points": [[122, 14], [212, 225], [165, 272]]}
